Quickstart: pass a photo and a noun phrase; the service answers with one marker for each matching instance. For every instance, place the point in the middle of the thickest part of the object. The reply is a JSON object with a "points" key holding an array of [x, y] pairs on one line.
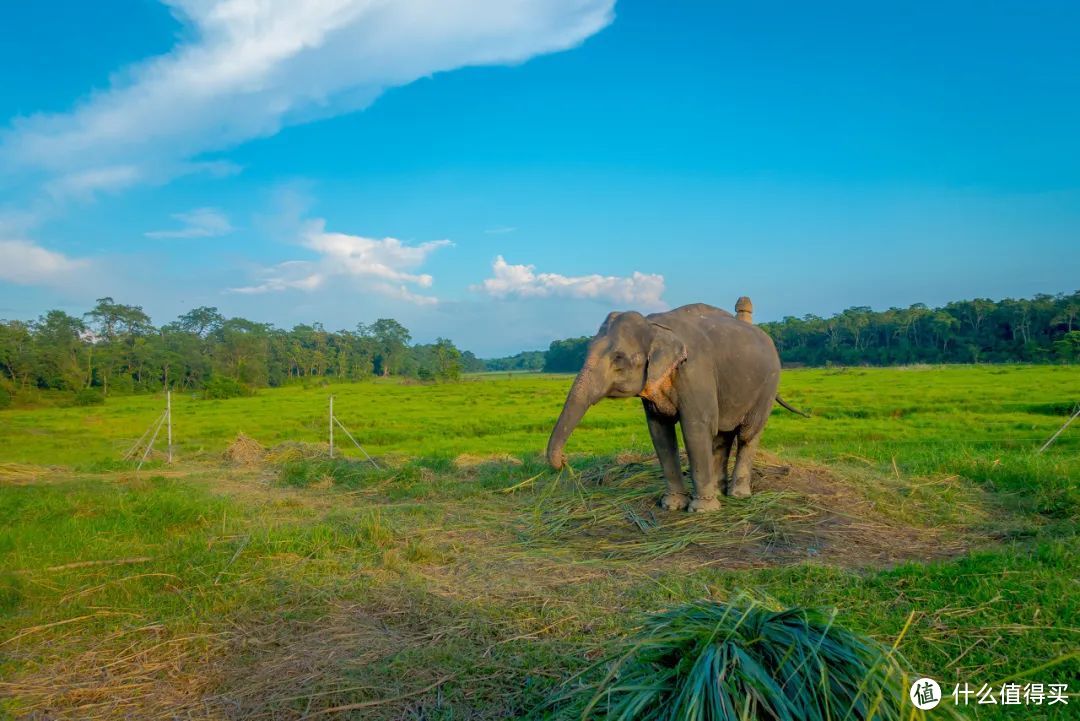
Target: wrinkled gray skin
{"points": [[696, 365]]}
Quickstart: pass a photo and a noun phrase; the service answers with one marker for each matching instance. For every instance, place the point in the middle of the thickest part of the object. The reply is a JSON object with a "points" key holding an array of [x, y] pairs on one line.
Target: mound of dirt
{"points": [[245, 451]]}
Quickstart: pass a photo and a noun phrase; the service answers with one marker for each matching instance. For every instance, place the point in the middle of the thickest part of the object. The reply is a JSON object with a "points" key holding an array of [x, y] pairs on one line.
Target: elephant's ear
{"points": [[666, 353]]}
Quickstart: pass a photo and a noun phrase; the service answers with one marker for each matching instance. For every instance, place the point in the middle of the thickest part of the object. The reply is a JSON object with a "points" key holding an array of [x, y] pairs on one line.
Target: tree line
{"points": [[1043, 329], [114, 348]]}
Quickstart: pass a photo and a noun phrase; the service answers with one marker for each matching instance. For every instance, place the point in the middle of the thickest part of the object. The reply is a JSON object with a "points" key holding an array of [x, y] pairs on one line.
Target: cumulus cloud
{"points": [[640, 289], [197, 223], [25, 263], [251, 68], [384, 266]]}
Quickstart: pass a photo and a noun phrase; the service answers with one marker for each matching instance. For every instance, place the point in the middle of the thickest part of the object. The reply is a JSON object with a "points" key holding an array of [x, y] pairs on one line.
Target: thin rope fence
{"points": [[152, 431], [1062, 429], [335, 420]]}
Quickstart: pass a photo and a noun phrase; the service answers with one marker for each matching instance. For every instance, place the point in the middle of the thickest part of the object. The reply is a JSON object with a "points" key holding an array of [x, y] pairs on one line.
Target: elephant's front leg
{"points": [[699, 447], [744, 463], [667, 450]]}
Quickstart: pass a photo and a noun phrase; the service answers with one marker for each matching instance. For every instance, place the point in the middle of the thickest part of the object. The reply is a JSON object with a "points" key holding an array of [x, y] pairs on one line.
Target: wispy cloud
{"points": [[501, 230], [640, 289], [83, 184], [252, 68], [26, 263], [383, 266], [197, 223]]}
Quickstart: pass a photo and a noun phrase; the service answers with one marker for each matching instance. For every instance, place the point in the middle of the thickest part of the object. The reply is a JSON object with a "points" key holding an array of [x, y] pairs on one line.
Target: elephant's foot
{"points": [[674, 501], [739, 489], [700, 504]]}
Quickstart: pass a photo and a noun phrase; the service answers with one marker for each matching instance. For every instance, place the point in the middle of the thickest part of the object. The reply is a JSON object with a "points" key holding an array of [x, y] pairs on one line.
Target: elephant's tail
{"points": [[785, 404]]}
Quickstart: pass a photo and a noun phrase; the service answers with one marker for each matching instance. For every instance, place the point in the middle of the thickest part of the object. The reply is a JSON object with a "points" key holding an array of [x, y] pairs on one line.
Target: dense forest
{"points": [[114, 348]]}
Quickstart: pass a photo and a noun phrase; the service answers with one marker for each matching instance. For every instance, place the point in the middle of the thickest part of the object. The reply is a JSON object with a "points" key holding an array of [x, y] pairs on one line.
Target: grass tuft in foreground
{"points": [[725, 662]]}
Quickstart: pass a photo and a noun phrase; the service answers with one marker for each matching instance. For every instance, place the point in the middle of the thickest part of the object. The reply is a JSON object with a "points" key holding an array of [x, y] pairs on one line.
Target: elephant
{"points": [[713, 373]]}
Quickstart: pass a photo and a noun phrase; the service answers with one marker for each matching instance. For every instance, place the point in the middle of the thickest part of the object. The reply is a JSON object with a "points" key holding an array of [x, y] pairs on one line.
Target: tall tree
{"points": [[391, 342], [62, 358], [201, 321], [17, 352]]}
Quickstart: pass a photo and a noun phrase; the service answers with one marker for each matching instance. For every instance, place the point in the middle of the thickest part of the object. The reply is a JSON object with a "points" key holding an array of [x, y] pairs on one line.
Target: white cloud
{"points": [[25, 263], [383, 266], [502, 229], [400, 292], [197, 223], [640, 289], [251, 68]]}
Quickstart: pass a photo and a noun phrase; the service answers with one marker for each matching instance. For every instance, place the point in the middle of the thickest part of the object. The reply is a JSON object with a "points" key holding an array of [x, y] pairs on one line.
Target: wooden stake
{"points": [[168, 414]]}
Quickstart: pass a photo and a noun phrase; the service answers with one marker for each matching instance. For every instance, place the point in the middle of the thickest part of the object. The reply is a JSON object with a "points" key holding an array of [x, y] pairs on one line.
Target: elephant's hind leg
{"points": [[739, 487], [721, 453], [667, 450]]}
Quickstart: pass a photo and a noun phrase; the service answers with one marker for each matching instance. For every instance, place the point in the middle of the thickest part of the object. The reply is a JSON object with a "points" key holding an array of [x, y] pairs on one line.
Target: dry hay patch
{"points": [[469, 461], [245, 451], [275, 669], [308, 668], [146, 672], [798, 512], [278, 664], [23, 474], [292, 451]]}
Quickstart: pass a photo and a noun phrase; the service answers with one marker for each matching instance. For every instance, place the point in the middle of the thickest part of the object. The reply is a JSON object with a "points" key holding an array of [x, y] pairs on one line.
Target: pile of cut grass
{"points": [[612, 511], [302, 473], [435, 478], [245, 451], [798, 512], [711, 661]]}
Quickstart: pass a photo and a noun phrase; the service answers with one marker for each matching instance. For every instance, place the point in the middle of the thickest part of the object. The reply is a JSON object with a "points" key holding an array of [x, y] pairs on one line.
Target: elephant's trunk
{"points": [[585, 392]]}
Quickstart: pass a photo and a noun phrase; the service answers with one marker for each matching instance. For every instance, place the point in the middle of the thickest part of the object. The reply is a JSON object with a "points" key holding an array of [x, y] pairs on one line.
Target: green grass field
{"points": [[463, 580]]}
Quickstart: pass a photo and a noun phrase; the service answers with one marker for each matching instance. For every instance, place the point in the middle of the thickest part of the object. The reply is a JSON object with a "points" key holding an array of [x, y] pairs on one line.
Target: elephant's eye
{"points": [[619, 359]]}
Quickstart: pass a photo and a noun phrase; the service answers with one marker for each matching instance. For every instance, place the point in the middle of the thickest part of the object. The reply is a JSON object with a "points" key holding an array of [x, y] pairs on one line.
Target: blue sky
{"points": [[505, 172]]}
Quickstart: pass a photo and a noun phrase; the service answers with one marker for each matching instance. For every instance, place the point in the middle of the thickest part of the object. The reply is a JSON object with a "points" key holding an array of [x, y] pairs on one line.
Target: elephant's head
{"points": [[630, 356]]}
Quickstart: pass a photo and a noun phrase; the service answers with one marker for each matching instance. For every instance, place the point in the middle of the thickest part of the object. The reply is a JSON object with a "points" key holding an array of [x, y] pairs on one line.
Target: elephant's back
{"points": [[723, 337], [693, 313]]}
